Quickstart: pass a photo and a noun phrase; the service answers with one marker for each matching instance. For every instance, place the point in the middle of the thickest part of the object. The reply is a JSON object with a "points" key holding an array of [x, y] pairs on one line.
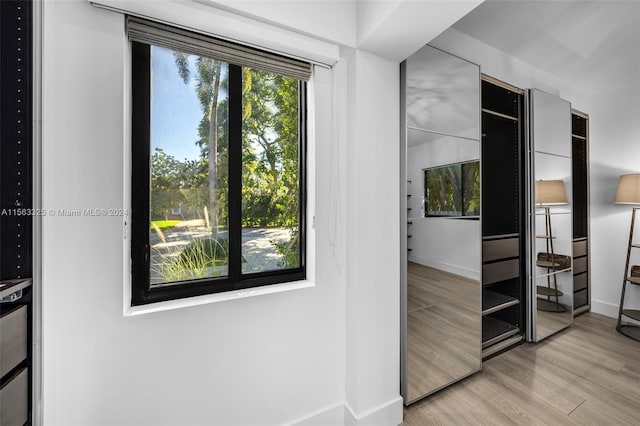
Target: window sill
{"points": [[215, 298]]}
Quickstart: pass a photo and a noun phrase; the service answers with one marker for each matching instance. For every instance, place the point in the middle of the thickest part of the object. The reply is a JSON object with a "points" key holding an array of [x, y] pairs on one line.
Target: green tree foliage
{"points": [[174, 183], [471, 188], [453, 190], [270, 149], [270, 142], [165, 184], [208, 81], [443, 189]]}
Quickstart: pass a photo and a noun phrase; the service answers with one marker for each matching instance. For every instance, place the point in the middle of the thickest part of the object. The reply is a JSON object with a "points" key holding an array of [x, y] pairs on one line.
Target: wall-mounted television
{"points": [[452, 190]]}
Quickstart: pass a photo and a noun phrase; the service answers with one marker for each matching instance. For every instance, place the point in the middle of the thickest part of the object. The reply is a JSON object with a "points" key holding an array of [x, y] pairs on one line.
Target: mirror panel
{"points": [[560, 223], [551, 124], [554, 167], [553, 313], [441, 288], [551, 301], [442, 93]]}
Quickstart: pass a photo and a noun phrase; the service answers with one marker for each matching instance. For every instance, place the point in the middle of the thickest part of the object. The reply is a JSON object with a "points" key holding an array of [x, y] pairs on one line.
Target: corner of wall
{"points": [[389, 413]]}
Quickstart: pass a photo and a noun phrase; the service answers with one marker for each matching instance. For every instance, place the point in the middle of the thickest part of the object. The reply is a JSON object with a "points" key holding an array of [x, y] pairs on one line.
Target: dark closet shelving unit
{"points": [[16, 120], [580, 155], [503, 240]]}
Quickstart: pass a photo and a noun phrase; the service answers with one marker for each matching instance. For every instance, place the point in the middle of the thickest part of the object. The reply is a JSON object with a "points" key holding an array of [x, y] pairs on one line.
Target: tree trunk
{"points": [[213, 153]]}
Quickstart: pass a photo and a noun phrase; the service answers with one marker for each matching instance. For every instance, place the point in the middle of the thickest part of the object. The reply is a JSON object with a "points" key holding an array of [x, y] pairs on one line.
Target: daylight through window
{"points": [[452, 190], [218, 156]]}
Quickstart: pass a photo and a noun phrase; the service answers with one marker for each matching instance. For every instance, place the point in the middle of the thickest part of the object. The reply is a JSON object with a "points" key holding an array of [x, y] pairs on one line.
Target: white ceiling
{"points": [[393, 29], [594, 45]]}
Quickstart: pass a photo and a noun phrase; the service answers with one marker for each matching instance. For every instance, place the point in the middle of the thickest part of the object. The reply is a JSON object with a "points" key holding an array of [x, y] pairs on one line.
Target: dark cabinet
{"points": [[580, 160], [16, 201], [14, 377], [503, 239]]}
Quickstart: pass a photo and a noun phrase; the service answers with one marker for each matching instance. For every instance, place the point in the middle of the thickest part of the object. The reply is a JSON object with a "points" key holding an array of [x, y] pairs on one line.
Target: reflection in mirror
{"points": [[551, 257], [442, 94], [452, 190], [441, 290], [443, 270]]}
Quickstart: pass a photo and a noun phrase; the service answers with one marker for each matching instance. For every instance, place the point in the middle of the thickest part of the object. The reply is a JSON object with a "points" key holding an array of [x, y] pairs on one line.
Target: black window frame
{"points": [[141, 291], [462, 191]]}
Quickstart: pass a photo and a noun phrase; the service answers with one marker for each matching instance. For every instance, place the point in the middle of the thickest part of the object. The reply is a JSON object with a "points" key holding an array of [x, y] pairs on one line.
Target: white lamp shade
{"points": [[628, 189], [550, 193]]}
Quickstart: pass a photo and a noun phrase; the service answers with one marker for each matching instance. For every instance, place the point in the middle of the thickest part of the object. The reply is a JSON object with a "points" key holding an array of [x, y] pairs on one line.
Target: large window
{"points": [[218, 138], [452, 190]]}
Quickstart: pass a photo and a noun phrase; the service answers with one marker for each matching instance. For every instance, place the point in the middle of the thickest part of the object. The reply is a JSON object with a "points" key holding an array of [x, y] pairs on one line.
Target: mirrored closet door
{"points": [[550, 215], [441, 231]]}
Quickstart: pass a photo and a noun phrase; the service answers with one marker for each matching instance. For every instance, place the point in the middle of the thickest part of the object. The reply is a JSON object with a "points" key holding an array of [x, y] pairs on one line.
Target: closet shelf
{"points": [[503, 344], [499, 237], [493, 302], [495, 330], [8, 288]]}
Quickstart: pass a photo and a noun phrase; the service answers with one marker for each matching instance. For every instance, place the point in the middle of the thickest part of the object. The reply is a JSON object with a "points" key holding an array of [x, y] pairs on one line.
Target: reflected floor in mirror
{"points": [[551, 318], [443, 332], [586, 374]]}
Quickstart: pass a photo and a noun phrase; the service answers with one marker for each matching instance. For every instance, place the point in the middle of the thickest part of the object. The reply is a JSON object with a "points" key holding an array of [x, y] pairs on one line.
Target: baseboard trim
{"points": [[447, 267], [389, 413], [604, 308], [331, 415]]}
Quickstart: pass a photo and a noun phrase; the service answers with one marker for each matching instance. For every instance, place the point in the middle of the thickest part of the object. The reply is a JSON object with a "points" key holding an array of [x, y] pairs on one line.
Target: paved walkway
{"points": [[258, 250]]}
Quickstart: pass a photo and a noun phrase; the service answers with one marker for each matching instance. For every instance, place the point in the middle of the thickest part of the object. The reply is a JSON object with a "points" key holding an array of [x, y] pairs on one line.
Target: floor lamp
{"points": [[629, 193], [549, 193]]}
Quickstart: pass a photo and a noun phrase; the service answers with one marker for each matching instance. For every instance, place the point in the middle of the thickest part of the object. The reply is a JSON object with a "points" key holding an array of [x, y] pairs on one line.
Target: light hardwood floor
{"points": [[587, 374], [444, 332]]}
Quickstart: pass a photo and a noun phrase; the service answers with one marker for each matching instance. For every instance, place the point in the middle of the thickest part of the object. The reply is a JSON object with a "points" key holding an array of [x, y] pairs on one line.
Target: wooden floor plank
{"points": [[443, 342], [529, 382], [591, 391], [587, 374]]}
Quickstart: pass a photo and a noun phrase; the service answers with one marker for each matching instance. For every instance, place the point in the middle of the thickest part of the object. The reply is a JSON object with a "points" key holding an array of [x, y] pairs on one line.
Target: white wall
{"points": [[614, 150], [330, 20], [449, 244], [264, 360], [373, 240]]}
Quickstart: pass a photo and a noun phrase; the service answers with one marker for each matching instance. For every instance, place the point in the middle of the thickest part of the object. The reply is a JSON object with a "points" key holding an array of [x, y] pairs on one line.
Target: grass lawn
{"points": [[164, 224]]}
